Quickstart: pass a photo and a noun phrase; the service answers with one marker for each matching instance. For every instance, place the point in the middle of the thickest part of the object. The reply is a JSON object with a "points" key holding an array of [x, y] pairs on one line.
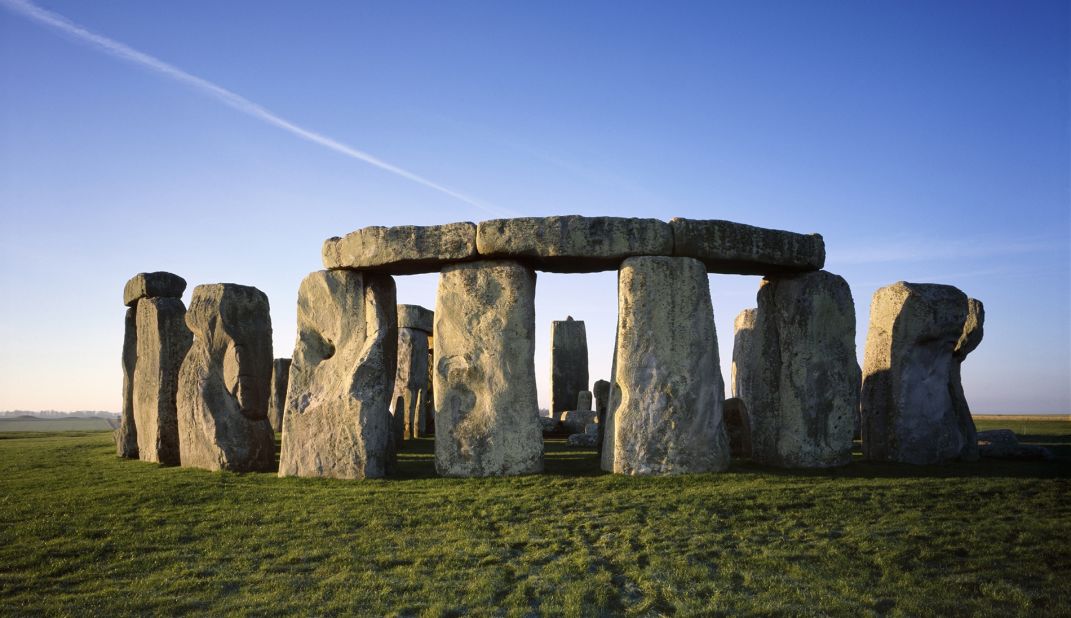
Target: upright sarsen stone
{"points": [[225, 381], [337, 420], [968, 341], [806, 382], [666, 399], [487, 415], [126, 437], [568, 364], [162, 342], [411, 382], [908, 415], [280, 376], [745, 355]]}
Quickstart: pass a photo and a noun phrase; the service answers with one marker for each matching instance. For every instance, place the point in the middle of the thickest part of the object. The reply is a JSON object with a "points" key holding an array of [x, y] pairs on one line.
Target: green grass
{"points": [[83, 533]]}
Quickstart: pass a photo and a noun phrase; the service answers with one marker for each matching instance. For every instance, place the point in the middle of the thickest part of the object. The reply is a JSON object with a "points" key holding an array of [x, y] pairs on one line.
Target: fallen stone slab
{"points": [[402, 250], [582, 440], [338, 421], [225, 381], [153, 285], [574, 421], [417, 317], [548, 424], [736, 248], [1004, 444], [572, 243]]}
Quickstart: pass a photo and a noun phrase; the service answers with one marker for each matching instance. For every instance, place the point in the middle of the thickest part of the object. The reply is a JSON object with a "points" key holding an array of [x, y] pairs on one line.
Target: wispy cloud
{"points": [[931, 249], [235, 101]]}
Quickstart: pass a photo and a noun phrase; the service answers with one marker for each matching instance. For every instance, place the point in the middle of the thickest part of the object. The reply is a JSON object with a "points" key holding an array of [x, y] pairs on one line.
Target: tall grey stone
{"points": [[402, 250], [568, 364], [280, 378], [486, 412], [126, 437], [745, 355], [162, 343], [968, 341], [738, 426], [337, 421], [583, 400], [601, 391], [806, 383], [225, 381], [908, 415], [411, 381], [667, 394], [153, 285]]}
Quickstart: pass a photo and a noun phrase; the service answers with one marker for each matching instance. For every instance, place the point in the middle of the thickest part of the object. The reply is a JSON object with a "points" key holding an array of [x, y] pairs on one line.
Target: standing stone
{"points": [[337, 421], [806, 384], [412, 383], [968, 341], [487, 415], [601, 390], [162, 343], [738, 426], [126, 437], [583, 400], [745, 355], [908, 414], [280, 377], [568, 364], [225, 381], [667, 395]]}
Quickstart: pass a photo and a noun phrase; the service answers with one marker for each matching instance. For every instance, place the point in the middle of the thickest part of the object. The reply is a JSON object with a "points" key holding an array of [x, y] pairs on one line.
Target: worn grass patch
{"points": [[82, 533]]}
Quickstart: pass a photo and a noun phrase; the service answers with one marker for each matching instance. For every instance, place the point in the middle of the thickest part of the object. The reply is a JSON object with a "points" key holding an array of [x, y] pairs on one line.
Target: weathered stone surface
{"points": [[745, 355], [806, 387], [153, 285], [415, 316], [738, 427], [548, 424], [280, 378], [1004, 444], [666, 400], [601, 392], [402, 250], [568, 364], [411, 382], [968, 341], [337, 421], [582, 440], [583, 400], [162, 342], [727, 247], [126, 437], [907, 411], [225, 381], [573, 244], [574, 421], [487, 417]]}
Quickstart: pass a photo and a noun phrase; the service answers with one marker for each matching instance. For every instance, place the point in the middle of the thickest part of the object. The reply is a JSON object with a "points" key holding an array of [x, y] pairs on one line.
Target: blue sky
{"points": [[926, 141]]}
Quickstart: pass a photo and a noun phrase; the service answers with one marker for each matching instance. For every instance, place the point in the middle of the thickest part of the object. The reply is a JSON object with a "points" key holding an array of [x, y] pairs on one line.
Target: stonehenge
{"points": [[805, 387], [201, 387], [665, 413], [907, 404], [568, 364], [280, 378], [337, 421], [411, 386], [225, 380], [486, 412]]}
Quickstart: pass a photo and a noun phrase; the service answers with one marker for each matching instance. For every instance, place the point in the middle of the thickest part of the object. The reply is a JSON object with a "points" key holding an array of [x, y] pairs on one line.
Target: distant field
{"points": [[85, 533], [52, 425]]}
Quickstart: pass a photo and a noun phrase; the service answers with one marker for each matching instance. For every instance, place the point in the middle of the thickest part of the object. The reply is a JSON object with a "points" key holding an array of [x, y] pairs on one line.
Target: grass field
{"points": [[51, 425], [82, 532]]}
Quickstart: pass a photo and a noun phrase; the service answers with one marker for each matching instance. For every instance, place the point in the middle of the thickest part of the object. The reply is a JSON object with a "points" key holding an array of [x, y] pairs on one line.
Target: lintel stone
{"points": [[736, 248], [417, 317], [153, 285], [402, 250]]}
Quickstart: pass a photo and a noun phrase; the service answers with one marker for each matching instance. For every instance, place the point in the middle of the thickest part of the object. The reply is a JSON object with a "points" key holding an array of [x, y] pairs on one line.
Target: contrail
{"points": [[238, 102]]}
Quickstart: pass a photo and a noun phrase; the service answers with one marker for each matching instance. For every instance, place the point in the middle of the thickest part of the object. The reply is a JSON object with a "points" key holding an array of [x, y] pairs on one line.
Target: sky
{"points": [[224, 141]]}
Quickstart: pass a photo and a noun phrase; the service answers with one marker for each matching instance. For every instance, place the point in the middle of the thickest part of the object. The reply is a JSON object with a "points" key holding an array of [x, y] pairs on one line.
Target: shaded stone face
{"points": [[601, 392], [572, 243], [576, 421], [968, 341], [225, 381], [583, 400], [666, 400], [738, 426], [417, 317], [162, 343], [908, 414], [411, 382], [806, 382], [487, 417], [126, 437], [337, 420], [727, 247], [153, 285], [402, 250], [280, 377], [568, 364], [745, 355]]}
